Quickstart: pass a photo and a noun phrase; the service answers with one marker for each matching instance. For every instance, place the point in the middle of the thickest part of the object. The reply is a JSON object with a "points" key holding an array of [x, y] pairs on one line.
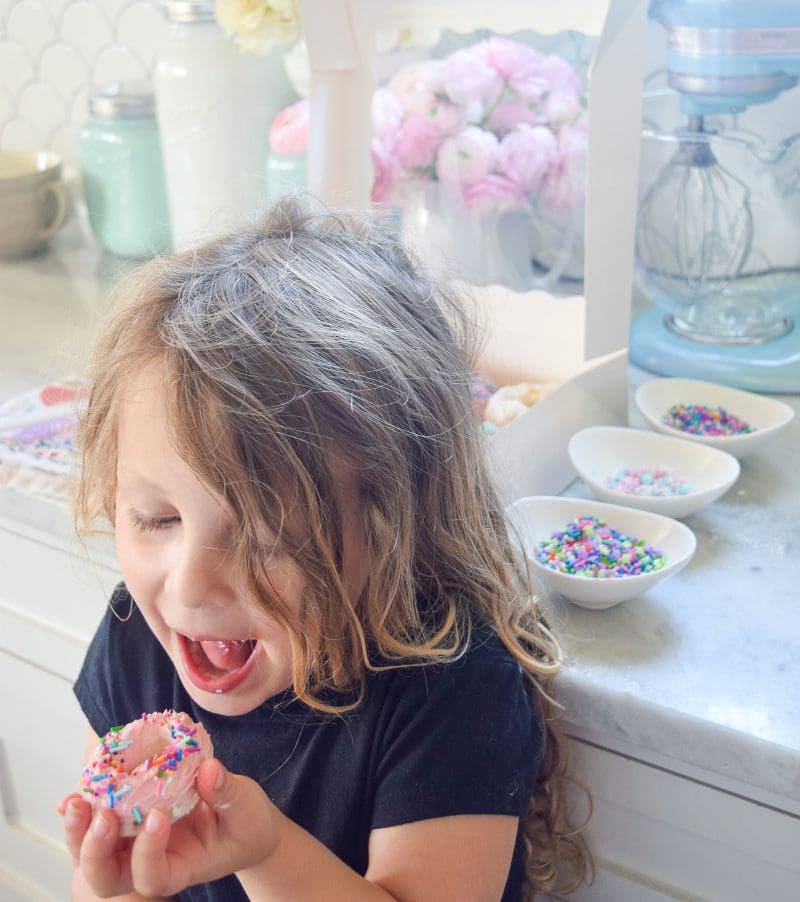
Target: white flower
{"points": [[466, 156], [257, 25]]}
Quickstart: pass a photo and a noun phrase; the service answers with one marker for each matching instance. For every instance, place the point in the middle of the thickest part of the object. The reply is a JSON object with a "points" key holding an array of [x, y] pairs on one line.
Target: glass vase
{"points": [[519, 249]]}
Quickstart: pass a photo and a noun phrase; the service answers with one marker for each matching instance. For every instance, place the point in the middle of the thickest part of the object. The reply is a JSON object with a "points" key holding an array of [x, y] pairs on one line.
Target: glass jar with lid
{"points": [[123, 172], [215, 105]]}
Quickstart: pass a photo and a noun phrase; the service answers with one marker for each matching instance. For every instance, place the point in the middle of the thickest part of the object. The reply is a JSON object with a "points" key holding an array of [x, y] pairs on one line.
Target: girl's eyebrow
{"points": [[129, 478]]}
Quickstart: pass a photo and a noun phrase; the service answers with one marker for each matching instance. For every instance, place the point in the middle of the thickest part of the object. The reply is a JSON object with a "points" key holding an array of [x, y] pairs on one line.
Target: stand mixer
{"points": [[718, 227]]}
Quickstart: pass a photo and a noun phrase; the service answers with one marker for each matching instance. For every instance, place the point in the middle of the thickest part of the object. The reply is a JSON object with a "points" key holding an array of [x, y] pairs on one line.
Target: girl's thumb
{"points": [[215, 784]]}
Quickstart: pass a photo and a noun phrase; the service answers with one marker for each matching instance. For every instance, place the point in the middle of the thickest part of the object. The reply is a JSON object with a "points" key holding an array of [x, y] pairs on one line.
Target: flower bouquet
{"points": [[495, 136]]}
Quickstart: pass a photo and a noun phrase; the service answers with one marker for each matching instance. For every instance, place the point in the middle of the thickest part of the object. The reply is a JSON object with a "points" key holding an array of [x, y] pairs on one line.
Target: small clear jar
{"points": [[123, 173]]}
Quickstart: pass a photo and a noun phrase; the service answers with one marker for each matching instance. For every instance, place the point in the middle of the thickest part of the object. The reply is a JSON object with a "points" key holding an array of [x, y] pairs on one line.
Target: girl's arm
{"points": [[463, 859], [237, 829]]}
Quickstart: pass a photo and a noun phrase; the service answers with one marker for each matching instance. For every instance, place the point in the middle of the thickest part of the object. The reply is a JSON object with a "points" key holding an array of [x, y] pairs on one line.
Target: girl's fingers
{"points": [[102, 864], [155, 872], [77, 817]]}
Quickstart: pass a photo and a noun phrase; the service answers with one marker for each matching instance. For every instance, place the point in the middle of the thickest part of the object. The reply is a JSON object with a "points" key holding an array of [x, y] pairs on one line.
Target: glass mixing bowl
{"points": [[718, 229]]}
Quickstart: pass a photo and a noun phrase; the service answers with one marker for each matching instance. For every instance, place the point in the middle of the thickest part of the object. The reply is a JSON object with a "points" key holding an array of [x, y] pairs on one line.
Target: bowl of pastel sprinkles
{"points": [[733, 420], [649, 471], [596, 554]]}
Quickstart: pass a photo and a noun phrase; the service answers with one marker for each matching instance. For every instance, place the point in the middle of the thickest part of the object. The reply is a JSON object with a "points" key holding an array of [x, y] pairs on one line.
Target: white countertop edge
{"points": [[721, 757]]}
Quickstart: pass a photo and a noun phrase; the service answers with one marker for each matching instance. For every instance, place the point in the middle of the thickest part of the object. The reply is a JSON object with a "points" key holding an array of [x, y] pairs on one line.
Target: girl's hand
{"points": [[233, 826]]}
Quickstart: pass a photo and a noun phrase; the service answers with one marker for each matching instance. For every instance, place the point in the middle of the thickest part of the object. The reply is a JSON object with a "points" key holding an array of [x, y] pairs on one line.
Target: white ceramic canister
{"points": [[215, 104]]}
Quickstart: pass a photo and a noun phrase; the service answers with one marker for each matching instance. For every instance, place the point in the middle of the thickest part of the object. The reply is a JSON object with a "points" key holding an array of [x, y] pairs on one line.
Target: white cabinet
{"points": [[657, 836], [52, 595]]}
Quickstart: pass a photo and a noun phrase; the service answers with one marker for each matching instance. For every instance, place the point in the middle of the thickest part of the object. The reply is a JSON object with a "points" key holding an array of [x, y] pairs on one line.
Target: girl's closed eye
{"points": [[146, 523]]}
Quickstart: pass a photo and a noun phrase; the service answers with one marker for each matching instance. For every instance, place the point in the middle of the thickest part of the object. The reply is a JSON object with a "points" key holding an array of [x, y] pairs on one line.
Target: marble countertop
{"points": [[700, 676], [50, 307]]}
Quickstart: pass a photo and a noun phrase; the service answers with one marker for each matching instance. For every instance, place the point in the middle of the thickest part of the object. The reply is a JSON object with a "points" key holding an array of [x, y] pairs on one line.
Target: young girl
{"points": [[316, 568]]}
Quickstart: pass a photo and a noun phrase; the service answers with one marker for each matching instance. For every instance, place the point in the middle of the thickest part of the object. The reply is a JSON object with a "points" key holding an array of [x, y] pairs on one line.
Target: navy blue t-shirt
{"points": [[428, 741]]}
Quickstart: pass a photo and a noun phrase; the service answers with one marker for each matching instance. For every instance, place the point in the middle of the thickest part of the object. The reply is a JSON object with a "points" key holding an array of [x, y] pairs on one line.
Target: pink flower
{"points": [[526, 155], [562, 106], [563, 101], [507, 57], [466, 156], [416, 141], [518, 64], [450, 118], [411, 85], [447, 117], [508, 114], [559, 75], [387, 172], [387, 112], [289, 131], [564, 187], [492, 194], [465, 77]]}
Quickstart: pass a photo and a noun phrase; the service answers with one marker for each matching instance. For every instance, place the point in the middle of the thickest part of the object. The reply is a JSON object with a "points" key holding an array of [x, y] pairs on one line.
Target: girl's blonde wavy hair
{"points": [[291, 347]]}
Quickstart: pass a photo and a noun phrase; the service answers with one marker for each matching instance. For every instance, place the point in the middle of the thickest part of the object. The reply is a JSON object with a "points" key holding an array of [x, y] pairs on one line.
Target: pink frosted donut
{"points": [[149, 763]]}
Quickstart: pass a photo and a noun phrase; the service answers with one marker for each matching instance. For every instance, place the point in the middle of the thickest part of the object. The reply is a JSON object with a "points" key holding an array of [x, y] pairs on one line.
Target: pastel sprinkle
{"points": [[589, 547], [137, 815], [697, 419], [651, 481]]}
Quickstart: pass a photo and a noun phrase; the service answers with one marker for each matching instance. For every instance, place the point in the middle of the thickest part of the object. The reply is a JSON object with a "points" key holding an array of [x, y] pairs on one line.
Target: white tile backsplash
{"points": [[53, 51]]}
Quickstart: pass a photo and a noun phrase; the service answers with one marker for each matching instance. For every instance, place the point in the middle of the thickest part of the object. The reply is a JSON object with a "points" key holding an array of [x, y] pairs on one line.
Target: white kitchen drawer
{"points": [[42, 738], [657, 835]]}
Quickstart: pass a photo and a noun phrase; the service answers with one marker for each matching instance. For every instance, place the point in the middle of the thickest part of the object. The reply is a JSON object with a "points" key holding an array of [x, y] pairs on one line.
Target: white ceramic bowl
{"points": [[766, 415], [537, 517], [600, 452]]}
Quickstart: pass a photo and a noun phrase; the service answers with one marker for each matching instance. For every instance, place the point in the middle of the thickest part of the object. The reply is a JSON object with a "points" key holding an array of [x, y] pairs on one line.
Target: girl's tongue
{"points": [[219, 656]]}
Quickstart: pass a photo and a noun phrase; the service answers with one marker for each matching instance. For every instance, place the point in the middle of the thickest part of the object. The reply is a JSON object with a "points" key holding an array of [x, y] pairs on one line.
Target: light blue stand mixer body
{"points": [[726, 301]]}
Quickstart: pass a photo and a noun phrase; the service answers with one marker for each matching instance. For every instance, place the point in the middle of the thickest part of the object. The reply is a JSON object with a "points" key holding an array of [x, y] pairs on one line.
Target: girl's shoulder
{"points": [[485, 682], [454, 738]]}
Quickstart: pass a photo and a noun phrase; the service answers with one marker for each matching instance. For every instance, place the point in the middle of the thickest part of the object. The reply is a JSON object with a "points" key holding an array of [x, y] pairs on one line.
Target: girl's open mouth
{"points": [[217, 665]]}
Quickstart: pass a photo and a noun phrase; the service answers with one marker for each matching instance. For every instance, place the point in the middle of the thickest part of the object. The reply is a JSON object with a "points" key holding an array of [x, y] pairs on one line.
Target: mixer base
{"points": [[773, 366]]}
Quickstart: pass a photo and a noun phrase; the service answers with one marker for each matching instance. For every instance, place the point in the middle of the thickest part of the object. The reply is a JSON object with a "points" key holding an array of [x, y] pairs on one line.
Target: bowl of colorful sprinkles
{"points": [[739, 422], [651, 472], [595, 554]]}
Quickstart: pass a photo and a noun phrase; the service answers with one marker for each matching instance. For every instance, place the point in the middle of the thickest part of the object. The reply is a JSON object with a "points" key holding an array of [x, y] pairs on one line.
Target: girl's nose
{"points": [[198, 576]]}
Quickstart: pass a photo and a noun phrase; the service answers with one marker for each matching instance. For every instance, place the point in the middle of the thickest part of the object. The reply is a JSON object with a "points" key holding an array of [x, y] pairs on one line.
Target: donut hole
{"points": [[149, 744]]}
